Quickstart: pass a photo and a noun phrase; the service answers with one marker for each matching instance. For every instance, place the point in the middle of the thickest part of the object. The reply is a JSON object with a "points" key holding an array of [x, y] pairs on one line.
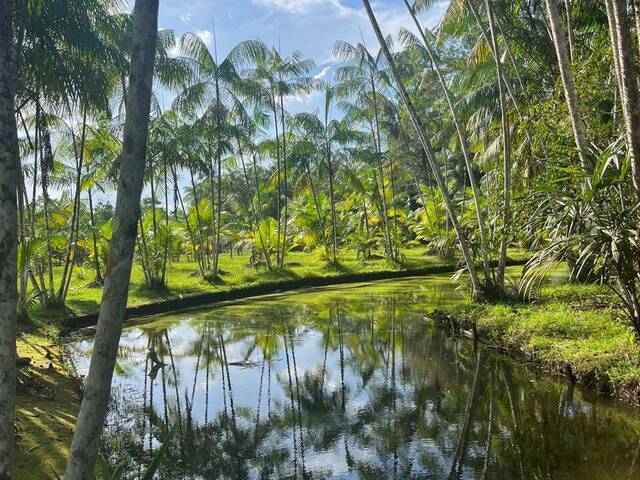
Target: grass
{"points": [[47, 405], [184, 280], [573, 325]]}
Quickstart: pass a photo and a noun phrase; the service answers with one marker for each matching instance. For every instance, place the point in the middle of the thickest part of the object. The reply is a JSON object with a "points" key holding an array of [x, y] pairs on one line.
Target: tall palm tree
{"points": [[462, 137], [84, 447], [477, 290], [571, 96], [9, 161], [210, 97]]}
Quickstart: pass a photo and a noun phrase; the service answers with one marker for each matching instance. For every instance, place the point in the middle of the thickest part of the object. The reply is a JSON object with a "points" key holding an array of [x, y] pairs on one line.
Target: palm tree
{"points": [[462, 136], [364, 80], [84, 448], [619, 28], [462, 238], [209, 97], [577, 122], [271, 78], [506, 151], [9, 161]]}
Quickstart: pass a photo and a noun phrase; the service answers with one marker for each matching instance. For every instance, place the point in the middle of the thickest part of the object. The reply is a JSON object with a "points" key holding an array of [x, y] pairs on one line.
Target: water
{"points": [[350, 382]]}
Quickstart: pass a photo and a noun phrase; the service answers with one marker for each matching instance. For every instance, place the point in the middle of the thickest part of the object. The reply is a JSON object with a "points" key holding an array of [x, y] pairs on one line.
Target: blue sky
{"points": [[311, 26]]}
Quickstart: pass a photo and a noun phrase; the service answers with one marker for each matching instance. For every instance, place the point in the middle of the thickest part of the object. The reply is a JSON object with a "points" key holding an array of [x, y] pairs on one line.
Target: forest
{"points": [[140, 166]]}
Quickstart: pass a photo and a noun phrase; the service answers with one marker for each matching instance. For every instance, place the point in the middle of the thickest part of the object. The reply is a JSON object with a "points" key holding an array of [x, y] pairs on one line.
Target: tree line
{"points": [[510, 124]]}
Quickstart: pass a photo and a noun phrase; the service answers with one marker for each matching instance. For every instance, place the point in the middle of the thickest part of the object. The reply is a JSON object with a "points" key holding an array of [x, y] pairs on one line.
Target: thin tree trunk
{"points": [[622, 50], [216, 257], [426, 146], [286, 183], [278, 170], [9, 164], [464, 146], [506, 153], [96, 259], [75, 216], [332, 199], [570, 31], [577, 123], [46, 165], [86, 439]]}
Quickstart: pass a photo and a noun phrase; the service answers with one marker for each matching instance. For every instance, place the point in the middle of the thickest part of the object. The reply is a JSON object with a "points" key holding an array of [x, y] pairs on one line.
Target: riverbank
{"points": [[48, 400], [571, 330], [187, 289]]}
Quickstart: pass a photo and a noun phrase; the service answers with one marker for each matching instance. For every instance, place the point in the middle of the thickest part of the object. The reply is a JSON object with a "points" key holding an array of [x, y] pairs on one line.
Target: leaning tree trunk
{"points": [[506, 152], [620, 34], [86, 439], [428, 149], [9, 159], [577, 123], [464, 146]]}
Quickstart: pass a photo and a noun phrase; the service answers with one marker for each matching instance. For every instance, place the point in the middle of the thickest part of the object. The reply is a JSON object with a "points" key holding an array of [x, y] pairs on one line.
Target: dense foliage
{"points": [[529, 116]]}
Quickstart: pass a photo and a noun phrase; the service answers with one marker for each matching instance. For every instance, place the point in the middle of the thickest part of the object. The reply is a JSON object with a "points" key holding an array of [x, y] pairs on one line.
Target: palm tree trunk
{"points": [[332, 199], [196, 204], [46, 165], [9, 164], [279, 186], [86, 439], [506, 153], [464, 146], [96, 260], [570, 31], [286, 184], [577, 123], [75, 215], [196, 257], [426, 146], [620, 33], [216, 258]]}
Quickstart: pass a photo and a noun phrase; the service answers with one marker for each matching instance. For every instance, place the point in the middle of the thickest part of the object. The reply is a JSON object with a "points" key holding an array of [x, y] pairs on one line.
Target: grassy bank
{"points": [[183, 279], [575, 326], [48, 401]]}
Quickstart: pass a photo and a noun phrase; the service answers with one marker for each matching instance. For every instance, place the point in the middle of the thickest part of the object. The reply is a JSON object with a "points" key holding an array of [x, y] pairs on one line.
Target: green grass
{"points": [[576, 325], [184, 280]]}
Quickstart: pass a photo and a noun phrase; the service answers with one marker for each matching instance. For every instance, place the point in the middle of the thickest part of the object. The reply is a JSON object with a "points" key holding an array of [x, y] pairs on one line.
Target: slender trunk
{"points": [[622, 50], [218, 218], [506, 152], [577, 123], [636, 14], [46, 165], [9, 164], [86, 438], [196, 257], [332, 199], [165, 254], [254, 213], [278, 170], [317, 205], [428, 149], [196, 205], [75, 215], [96, 257], [464, 146], [285, 185], [570, 31]]}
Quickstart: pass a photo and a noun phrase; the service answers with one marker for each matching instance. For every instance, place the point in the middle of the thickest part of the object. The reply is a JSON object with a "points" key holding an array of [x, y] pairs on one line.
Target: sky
{"points": [[311, 26]]}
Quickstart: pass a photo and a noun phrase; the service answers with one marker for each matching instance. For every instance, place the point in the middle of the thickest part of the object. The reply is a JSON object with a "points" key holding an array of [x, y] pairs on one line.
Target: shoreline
{"points": [[73, 322]]}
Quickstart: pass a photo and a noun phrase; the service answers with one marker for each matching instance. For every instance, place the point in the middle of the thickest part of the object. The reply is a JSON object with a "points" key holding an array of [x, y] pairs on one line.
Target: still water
{"points": [[349, 383]]}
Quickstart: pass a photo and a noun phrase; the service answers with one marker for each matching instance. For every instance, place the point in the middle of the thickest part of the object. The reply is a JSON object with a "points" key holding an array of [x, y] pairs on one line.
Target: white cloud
{"points": [[322, 75], [186, 18], [301, 6], [206, 36]]}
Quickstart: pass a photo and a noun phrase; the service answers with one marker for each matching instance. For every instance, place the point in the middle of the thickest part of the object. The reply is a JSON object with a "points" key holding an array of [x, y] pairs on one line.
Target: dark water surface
{"points": [[350, 382]]}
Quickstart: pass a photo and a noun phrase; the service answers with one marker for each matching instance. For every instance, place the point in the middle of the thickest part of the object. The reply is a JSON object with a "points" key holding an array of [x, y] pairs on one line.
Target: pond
{"points": [[349, 382]]}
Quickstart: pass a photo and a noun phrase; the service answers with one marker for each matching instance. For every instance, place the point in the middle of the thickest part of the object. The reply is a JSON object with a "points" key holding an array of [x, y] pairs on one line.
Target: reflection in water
{"points": [[349, 382]]}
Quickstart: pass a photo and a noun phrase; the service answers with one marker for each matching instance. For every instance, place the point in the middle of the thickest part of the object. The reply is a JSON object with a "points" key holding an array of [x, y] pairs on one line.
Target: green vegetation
{"points": [[580, 326]]}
